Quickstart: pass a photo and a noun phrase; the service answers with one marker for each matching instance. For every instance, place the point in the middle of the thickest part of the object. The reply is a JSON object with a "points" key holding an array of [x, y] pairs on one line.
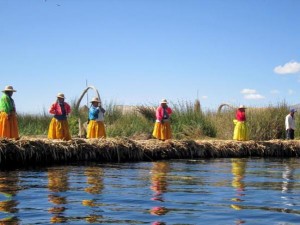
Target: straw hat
{"points": [[95, 99], [60, 95], [9, 88], [164, 101], [242, 107]]}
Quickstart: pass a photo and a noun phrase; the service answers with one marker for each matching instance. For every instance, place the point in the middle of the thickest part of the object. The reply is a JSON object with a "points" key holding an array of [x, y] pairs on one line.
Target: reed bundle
{"points": [[36, 151]]}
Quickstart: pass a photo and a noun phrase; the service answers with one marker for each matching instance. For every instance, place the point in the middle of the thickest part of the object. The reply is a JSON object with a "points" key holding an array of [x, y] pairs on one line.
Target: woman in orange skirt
{"points": [[8, 118], [162, 128], [96, 127], [59, 127]]}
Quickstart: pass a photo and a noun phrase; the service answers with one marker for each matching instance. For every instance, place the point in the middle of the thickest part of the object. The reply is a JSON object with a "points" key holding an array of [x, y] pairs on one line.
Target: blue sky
{"points": [[140, 51]]}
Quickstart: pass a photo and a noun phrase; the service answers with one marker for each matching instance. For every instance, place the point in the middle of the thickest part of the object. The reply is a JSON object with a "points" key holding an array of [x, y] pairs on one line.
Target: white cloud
{"points": [[251, 94], [274, 92], [288, 68], [204, 97], [248, 91], [254, 96]]}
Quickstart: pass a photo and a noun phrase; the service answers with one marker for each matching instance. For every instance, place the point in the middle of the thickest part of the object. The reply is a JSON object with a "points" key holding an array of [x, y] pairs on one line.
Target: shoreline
{"points": [[45, 152]]}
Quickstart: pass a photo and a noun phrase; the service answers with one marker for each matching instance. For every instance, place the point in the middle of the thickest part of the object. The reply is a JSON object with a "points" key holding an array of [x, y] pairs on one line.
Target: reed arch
{"points": [[224, 105], [82, 128], [84, 92]]}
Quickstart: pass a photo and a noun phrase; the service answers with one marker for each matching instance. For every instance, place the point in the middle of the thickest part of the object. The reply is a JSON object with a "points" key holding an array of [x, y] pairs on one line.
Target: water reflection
{"points": [[158, 223], [159, 180], [9, 187], [129, 194], [57, 184], [238, 171], [288, 177], [159, 186], [288, 183], [95, 187]]}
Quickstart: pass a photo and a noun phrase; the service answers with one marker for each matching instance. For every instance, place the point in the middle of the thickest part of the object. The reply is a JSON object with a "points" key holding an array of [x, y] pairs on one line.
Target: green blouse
{"points": [[6, 104]]}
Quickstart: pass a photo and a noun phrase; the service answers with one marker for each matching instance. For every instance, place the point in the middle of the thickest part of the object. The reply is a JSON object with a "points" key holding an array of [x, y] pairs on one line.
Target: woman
{"points": [[8, 117], [59, 127], [240, 129], [162, 128], [96, 127]]}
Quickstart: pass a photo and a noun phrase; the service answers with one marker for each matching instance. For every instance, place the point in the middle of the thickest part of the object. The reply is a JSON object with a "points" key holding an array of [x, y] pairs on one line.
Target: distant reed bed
{"points": [[188, 121]]}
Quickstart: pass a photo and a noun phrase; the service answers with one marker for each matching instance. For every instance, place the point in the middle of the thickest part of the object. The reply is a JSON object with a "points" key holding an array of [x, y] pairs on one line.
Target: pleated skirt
{"points": [[162, 131], [240, 131], [96, 129], [59, 129], [9, 125]]}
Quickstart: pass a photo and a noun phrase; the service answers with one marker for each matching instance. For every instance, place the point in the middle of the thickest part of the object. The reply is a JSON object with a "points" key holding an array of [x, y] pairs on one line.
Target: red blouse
{"points": [[240, 115]]}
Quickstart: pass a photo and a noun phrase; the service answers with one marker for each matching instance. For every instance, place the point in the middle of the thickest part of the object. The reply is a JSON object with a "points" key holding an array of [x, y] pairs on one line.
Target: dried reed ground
{"points": [[37, 151]]}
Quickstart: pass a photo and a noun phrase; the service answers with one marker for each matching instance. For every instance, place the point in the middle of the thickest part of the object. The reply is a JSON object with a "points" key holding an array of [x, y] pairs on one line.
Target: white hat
{"points": [[164, 101], [95, 99], [60, 95], [242, 107], [9, 88]]}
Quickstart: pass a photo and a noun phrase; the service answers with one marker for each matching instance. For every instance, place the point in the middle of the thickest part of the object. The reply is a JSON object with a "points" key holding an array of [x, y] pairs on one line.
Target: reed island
{"points": [[195, 134]]}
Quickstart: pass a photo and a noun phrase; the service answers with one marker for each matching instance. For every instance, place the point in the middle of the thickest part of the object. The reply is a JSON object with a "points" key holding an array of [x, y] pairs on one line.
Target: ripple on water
{"points": [[221, 191]]}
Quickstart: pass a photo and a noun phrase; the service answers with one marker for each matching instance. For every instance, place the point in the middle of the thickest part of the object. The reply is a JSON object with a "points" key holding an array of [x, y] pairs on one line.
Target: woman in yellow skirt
{"points": [[8, 118], [240, 129], [162, 128], [96, 127], [59, 127]]}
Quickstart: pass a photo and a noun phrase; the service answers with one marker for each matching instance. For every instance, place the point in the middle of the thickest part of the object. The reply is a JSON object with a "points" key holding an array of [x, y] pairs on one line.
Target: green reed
{"points": [[264, 123], [267, 123], [222, 122], [130, 125], [36, 124], [188, 121]]}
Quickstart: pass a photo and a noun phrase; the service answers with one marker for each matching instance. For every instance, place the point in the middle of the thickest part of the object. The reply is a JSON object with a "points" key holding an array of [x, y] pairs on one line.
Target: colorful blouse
{"points": [[163, 113], [240, 115], [7, 104], [96, 113], [60, 110]]}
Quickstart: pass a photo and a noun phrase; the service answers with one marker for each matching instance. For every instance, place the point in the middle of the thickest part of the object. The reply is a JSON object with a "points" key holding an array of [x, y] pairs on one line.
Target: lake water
{"points": [[213, 191]]}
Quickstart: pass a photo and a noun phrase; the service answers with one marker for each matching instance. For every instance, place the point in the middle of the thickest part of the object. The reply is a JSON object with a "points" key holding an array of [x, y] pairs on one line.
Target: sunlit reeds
{"points": [[264, 123], [188, 121], [267, 123], [34, 151], [34, 125], [130, 137]]}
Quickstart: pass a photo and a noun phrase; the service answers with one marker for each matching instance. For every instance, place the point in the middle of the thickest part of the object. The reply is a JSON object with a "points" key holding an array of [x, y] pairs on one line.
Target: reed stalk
{"points": [[43, 152], [187, 122]]}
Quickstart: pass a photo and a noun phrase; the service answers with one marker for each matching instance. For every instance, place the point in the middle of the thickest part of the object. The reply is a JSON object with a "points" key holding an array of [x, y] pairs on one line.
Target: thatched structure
{"points": [[31, 152], [225, 105]]}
